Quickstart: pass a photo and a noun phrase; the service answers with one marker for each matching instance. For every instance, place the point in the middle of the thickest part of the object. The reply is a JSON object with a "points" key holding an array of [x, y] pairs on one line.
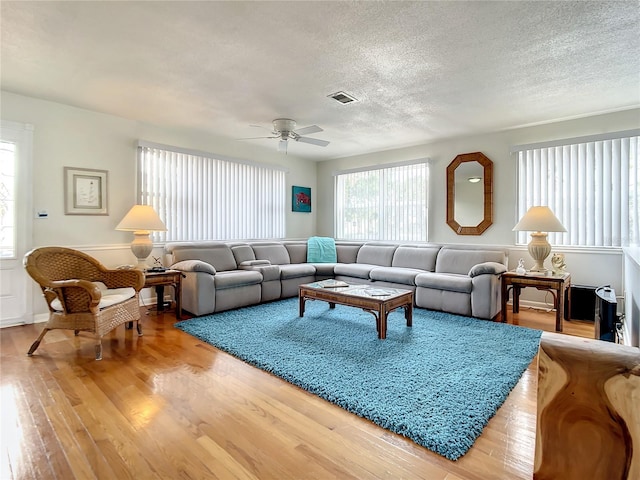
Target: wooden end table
{"points": [[159, 280], [377, 301], [557, 284]]}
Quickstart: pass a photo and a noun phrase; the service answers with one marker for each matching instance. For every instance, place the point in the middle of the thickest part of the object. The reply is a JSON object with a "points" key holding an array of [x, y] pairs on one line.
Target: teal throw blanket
{"points": [[321, 250]]}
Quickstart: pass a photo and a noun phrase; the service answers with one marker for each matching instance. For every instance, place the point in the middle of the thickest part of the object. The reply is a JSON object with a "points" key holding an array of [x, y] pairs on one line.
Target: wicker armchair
{"points": [[69, 281]]}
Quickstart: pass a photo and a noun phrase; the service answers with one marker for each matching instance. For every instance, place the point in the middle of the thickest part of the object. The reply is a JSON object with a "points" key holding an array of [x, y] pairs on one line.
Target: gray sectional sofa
{"points": [[224, 275]]}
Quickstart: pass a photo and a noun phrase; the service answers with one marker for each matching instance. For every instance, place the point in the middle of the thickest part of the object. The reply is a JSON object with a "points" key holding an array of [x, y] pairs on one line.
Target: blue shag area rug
{"points": [[437, 383]]}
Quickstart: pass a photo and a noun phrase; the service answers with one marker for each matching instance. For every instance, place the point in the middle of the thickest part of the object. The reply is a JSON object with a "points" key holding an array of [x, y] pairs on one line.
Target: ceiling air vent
{"points": [[343, 98]]}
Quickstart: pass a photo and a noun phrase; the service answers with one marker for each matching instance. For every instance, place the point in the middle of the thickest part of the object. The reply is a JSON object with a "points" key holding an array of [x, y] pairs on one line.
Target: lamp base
{"points": [[539, 249], [141, 248]]}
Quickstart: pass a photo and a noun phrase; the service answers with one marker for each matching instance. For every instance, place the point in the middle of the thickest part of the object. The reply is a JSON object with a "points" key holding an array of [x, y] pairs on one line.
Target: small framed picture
{"points": [[85, 191], [301, 199]]}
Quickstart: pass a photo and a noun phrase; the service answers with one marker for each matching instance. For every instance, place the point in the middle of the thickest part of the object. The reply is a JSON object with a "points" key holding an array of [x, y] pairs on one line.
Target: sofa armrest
{"points": [[194, 266], [487, 268]]}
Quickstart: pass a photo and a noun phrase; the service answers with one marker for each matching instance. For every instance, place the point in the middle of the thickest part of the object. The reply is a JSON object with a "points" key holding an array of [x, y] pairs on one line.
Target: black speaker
{"points": [[583, 303]]}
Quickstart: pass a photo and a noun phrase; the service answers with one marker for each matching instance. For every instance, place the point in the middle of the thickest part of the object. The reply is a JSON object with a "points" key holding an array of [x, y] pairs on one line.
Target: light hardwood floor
{"points": [[168, 406]]}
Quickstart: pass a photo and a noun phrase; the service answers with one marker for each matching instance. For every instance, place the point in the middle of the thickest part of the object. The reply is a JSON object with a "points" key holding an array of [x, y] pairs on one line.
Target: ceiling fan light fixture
{"points": [[343, 97]]}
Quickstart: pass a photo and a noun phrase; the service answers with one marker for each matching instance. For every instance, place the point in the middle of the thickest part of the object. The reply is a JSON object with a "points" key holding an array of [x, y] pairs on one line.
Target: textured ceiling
{"points": [[422, 71]]}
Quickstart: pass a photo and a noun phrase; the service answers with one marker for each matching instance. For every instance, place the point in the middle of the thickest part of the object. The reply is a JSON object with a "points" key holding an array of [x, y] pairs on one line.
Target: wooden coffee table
{"points": [[378, 301]]}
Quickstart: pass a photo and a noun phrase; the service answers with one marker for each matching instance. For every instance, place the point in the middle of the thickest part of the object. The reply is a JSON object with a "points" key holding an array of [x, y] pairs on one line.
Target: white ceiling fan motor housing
{"points": [[284, 127]]}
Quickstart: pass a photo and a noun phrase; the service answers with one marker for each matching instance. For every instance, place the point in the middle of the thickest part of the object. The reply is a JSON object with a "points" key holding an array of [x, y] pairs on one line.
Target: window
{"points": [[7, 200], [387, 203], [591, 184], [202, 197]]}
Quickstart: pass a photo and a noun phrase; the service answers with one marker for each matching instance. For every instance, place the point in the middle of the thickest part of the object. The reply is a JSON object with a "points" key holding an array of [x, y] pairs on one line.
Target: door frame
{"points": [[22, 135]]}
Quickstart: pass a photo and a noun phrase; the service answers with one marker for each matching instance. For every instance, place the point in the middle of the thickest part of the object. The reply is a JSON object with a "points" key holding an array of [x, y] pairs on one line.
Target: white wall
{"points": [[588, 267], [69, 136]]}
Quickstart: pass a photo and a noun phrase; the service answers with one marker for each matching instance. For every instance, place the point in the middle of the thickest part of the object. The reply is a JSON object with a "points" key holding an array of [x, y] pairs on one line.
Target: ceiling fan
{"points": [[285, 130]]}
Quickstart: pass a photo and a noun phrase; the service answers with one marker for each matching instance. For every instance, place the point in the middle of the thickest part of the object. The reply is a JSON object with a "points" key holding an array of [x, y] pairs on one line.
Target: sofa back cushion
{"points": [[243, 253], [219, 255], [347, 252], [422, 257], [297, 251], [276, 253], [376, 254], [460, 261]]}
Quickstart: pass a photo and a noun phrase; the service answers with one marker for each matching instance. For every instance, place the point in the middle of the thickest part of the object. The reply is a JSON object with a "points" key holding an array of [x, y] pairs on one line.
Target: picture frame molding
{"points": [[302, 204], [79, 197]]}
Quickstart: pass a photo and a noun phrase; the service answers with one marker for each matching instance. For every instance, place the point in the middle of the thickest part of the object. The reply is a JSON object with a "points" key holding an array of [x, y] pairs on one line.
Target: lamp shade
{"points": [[141, 218], [539, 219]]}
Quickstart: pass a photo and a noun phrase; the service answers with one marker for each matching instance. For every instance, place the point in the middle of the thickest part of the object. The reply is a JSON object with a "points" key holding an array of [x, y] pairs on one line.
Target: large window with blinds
{"points": [[591, 184], [201, 196], [388, 203]]}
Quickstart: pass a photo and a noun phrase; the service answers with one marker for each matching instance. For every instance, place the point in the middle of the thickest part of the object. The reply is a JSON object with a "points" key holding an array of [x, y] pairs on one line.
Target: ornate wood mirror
{"points": [[470, 194]]}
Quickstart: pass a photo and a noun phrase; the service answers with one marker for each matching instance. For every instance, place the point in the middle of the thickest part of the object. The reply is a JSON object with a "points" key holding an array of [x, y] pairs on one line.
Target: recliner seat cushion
{"points": [[295, 270], [236, 278], [445, 281], [357, 270], [405, 276]]}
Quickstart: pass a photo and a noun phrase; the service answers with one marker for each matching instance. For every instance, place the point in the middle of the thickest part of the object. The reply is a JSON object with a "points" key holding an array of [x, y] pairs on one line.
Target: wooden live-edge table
{"points": [[557, 283], [377, 301], [159, 280]]}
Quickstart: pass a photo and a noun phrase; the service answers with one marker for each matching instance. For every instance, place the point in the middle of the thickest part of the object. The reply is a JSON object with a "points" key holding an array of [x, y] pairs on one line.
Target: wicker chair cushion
{"points": [[110, 296]]}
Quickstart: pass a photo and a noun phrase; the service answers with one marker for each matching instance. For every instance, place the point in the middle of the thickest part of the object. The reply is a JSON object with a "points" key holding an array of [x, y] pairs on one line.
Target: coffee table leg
{"points": [[382, 321], [302, 299], [408, 314], [332, 305]]}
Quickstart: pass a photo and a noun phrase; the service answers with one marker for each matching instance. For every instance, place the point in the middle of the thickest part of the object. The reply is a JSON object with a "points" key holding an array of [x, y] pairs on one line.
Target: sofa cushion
{"points": [[347, 252], [295, 270], [405, 276], [297, 251], [376, 254], [460, 261], [110, 296], [356, 270], [237, 278], [416, 256], [214, 253], [276, 253], [444, 281], [243, 253]]}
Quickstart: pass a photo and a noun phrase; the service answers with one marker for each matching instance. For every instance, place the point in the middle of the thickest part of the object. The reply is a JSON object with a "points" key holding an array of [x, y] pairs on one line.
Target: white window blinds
{"points": [[590, 184], [383, 203], [200, 197]]}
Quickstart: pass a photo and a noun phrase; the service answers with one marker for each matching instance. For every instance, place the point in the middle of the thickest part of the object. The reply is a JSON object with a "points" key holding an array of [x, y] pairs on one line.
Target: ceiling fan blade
{"points": [[308, 130], [313, 141], [255, 138], [282, 146]]}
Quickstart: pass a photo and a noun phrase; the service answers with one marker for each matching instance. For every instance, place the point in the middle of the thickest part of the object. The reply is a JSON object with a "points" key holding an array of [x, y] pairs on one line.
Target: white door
{"points": [[15, 223]]}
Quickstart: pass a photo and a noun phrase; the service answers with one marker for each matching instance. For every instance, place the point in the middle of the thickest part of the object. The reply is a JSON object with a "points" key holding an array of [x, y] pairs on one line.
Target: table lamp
{"points": [[539, 221], [141, 220]]}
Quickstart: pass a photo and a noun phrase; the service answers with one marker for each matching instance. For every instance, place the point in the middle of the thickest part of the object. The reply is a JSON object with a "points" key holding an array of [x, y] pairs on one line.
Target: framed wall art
{"points": [[301, 199], [85, 191]]}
